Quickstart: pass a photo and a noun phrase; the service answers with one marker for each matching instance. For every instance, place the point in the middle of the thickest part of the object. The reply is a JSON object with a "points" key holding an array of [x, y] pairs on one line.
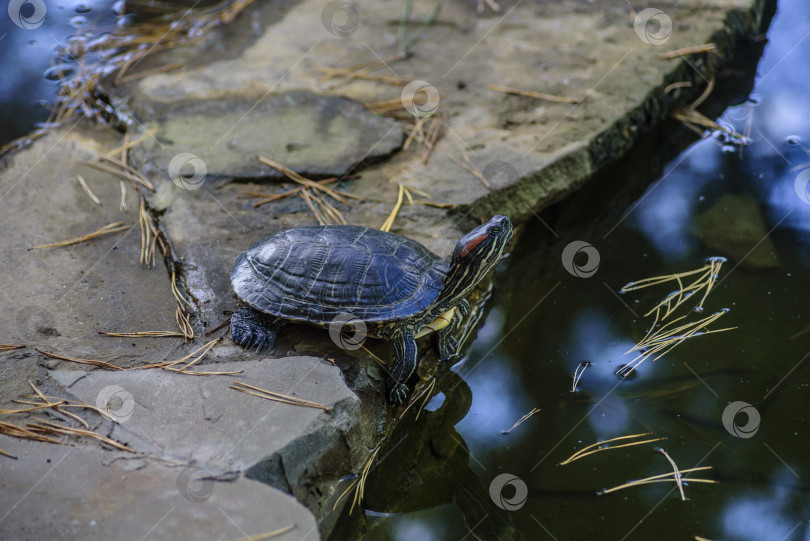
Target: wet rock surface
{"points": [[252, 88]]}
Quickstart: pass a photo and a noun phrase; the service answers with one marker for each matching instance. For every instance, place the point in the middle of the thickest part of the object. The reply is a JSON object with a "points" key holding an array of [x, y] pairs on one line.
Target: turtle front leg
{"points": [[250, 328], [404, 366], [446, 343]]}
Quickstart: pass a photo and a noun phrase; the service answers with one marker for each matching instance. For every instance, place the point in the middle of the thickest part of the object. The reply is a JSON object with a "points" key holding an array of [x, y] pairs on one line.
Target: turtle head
{"points": [[476, 253]]}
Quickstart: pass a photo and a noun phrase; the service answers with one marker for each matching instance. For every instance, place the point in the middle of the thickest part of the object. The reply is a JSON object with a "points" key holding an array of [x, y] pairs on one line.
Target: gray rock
{"points": [[80, 492], [188, 419], [319, 136]]}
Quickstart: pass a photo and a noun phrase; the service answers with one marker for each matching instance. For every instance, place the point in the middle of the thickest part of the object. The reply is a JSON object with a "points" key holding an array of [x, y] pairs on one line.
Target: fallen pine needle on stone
{"points": [[267, 535], [532, 94], [695, 49], [109, 228], [597, 447], [101, 364], [87, 190], [53, 428], [276, 397], [9, 347], [521, 420], [143, 334]]}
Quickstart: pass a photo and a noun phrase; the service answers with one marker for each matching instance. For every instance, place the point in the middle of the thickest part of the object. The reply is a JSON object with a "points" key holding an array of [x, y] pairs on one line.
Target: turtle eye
{"points": [[495, 230]]}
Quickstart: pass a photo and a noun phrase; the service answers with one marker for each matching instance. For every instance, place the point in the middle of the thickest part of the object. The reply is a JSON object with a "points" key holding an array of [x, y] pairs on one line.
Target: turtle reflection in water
{"points": [[398, 288]]}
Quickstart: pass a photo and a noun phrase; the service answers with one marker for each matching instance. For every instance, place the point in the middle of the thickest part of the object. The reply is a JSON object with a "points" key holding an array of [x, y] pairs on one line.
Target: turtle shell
{"points": [[314, 274]]}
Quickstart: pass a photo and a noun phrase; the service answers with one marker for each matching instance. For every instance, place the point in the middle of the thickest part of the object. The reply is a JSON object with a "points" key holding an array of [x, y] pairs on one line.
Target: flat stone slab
{"points": [[182, 418], [320, 136], [80, 492]]}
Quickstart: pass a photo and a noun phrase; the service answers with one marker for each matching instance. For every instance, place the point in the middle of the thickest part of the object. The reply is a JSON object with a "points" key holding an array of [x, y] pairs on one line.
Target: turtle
{"points": [[391, 286]]}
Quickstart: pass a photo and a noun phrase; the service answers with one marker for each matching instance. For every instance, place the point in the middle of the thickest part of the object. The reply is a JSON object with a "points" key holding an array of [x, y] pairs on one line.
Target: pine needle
{"points": [[359, 483], [580, 370], [661, 478], [107, 229], [389, 222], [276, 397], [695, 49], [101, 364], [426, 393], [521, 420], [48, 427], [143, 334], [675, 472], [87, 190], [9, 347], [267, 535], [471, 168], [597, 447], [532, 94]]}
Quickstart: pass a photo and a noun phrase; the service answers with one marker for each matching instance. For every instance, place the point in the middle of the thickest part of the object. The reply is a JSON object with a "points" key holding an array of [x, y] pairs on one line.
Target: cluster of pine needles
{"points": [[676, 475], [662, 337], [46, 431]]}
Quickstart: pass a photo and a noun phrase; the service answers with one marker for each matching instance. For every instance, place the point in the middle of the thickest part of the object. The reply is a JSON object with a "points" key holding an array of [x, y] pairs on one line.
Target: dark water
{"points": [[435, 478], [34, 56]]}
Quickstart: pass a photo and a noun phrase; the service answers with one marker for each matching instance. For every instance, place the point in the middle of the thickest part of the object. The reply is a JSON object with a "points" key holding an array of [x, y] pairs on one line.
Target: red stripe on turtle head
{"points": [[470, 246]]}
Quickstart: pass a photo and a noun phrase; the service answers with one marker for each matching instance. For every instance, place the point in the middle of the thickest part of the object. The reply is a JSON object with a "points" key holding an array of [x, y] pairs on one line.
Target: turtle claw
{"points": [[398, 393], [448, 348], [249, 329]]}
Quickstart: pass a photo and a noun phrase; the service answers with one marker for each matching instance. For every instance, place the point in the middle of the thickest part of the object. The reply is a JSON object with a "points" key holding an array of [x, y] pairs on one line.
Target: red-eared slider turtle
{"points": [[398, 288]]}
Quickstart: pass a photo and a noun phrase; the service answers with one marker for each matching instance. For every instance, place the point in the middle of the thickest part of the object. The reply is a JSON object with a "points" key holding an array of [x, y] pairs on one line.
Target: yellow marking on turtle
{"points": [[437, 324]]}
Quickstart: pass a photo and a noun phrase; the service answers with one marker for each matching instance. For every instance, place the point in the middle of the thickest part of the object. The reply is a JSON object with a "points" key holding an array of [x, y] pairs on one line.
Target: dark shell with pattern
{"points": [[314, 274]]}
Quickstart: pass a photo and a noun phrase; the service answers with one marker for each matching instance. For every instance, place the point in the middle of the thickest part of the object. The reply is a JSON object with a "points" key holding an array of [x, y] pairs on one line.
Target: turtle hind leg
{"points": [[446, 343], [251, 328], [403, 368]]}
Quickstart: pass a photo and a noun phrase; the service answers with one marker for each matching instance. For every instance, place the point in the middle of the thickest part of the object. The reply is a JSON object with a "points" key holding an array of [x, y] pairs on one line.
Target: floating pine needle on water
{"points": [[521, 420], [706, 278], [109, 228], [664, 339], [578, 374], [661, 478], [276, 397], [604, 446]]}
